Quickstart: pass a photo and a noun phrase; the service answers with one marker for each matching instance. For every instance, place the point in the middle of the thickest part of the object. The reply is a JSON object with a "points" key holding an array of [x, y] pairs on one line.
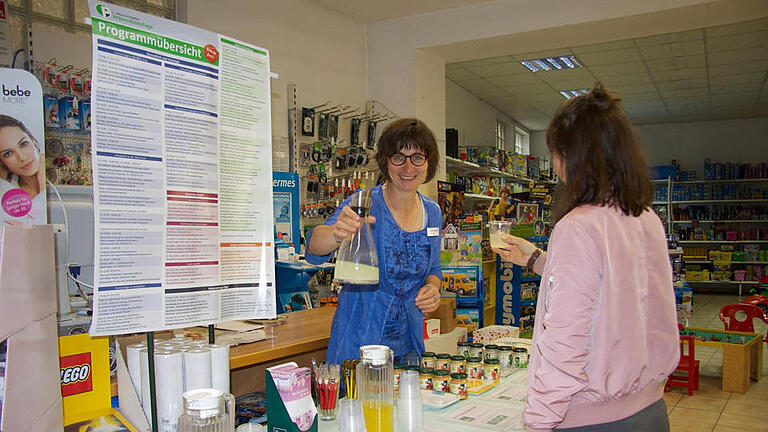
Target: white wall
{"points": [[474, 118], [744, 140], [322, 51], [539, 143]]}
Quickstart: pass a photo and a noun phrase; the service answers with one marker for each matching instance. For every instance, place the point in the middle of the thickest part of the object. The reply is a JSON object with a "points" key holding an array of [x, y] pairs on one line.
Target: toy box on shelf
{"points": [[463, 281], [450, 197]]}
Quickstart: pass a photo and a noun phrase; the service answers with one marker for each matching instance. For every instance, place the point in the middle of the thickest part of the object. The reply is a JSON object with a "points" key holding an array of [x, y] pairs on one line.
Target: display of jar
{"points": [[505, 357], [520, 358], [491, 369], [476, 350], [397, 369], [462, 348], [492, 352], [425, 378], [443, 362], [459, 384], [458, 364], [441, 380], [475, 368], [428, 360]]}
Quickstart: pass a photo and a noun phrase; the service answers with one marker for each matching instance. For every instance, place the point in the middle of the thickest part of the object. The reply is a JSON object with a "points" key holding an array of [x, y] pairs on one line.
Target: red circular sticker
{"points": [[16, 203], [211, 53]]}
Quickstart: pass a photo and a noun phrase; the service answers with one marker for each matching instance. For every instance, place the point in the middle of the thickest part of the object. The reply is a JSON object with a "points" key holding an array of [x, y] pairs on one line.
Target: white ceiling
{"points": [[711, 73], [371, 11]]}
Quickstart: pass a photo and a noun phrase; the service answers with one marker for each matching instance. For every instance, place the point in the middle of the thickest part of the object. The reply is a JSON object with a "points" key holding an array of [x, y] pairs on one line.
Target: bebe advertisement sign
{"points": [[22, 149]]}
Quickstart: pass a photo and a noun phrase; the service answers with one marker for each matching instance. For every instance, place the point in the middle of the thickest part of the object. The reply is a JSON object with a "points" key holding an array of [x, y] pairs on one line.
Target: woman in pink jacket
{"points": [[605, 336]]}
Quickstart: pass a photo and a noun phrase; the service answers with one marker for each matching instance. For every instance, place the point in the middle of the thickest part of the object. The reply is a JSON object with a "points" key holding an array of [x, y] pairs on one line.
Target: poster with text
{"points": [[182, 175], [22, 149]]}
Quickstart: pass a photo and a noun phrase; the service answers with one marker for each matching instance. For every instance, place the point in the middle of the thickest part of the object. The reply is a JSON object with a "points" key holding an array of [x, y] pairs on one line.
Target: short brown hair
{"points": [[405, 134], [602, 158]]}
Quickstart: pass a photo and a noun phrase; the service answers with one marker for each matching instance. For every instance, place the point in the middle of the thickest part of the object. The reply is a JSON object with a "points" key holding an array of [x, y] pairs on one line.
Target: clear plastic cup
{"points": [[409, 404], [351, 416], [497, 229]]}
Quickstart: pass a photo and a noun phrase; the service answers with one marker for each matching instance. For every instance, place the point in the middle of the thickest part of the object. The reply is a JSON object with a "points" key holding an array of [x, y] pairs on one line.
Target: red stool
{"points": [[688, 364]]}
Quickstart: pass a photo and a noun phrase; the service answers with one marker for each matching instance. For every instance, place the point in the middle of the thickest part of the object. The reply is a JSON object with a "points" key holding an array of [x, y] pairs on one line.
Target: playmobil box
{"points": [[463, 281]]}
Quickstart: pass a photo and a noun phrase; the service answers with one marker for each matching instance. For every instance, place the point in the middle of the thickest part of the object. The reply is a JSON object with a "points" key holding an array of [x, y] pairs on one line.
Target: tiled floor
{"points": [[711, 409]]}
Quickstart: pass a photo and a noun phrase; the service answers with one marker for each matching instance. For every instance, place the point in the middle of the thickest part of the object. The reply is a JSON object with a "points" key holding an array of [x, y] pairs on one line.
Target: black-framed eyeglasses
{"points": [[417, 159]]}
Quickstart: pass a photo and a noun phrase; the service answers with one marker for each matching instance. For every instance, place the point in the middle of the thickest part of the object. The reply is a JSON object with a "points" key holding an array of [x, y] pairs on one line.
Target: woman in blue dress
{"points": [[406, 230]]}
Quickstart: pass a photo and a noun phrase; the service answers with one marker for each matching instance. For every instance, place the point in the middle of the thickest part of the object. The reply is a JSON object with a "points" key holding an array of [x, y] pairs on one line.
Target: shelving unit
{"points": [[755, 199]]}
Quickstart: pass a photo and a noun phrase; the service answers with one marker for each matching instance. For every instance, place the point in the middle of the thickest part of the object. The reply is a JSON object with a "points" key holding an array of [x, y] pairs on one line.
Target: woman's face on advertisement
{"points": [[18, 152]]}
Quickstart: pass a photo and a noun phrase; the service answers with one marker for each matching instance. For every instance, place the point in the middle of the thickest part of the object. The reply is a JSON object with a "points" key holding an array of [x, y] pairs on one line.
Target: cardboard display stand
{"points": [[32, 398]]}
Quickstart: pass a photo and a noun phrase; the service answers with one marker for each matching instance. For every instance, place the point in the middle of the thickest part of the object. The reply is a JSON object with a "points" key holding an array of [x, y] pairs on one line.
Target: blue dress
{"points": [[386, 313]]}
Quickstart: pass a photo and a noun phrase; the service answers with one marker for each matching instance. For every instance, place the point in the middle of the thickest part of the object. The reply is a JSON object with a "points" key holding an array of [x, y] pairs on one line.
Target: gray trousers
{"points": [[653, 418]]}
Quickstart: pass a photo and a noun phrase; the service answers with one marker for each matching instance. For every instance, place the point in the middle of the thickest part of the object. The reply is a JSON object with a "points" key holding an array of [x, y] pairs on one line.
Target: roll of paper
{"points": [[169, 387], [134, 369], [144, 392], [219, 367], [197, 368]]}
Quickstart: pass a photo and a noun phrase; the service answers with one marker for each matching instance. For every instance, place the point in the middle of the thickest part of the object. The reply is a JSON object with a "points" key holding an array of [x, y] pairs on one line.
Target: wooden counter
{"points": [[304, 335]]}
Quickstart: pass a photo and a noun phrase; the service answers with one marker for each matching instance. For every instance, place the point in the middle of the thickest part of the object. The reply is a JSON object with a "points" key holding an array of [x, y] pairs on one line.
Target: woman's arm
{"points": [[326, 238], [428, 298]]}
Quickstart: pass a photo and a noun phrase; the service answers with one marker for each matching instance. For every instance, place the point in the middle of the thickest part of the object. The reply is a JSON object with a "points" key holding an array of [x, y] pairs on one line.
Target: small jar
{"points": [[520, 358], [459, 384], [428, 360], [443, 362], [492, 352], [476, 350], [458, 364], [491, 370], [396, 375], [475, 368], [425, 378], [441, 381], [505, 354], [462, 348]]}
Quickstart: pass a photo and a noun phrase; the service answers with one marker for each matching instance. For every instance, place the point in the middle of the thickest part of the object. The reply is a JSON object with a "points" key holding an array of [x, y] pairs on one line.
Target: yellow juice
{"points": [[378, 417]]}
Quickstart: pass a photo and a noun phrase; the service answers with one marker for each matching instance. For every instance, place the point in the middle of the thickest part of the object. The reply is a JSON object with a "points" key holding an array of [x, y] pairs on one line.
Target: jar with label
{"points": [[428, 360], [425, 378], [441, 381], [458, 364], [520, 358], [396, 376], [476, 350], [443, 362], [459, 384], [462, 348], [505, 354], [492, 352], [475, 368], [491, 369]]}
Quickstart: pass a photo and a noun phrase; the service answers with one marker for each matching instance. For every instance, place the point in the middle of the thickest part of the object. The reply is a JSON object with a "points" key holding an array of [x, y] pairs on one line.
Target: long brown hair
{"points": [[601, 155]]}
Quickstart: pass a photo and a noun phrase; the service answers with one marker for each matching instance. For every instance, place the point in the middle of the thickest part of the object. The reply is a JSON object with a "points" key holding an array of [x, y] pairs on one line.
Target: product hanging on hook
{"points": [[308, 122]]}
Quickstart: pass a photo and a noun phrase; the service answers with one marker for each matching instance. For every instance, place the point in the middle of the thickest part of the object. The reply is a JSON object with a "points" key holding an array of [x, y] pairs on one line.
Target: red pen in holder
{"points": [[327, 379]]}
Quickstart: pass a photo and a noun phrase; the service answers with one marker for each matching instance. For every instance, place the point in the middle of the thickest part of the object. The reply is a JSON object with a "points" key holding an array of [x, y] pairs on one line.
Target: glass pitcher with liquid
{"points": [[207, 410], [356, 262], [375, 387]]}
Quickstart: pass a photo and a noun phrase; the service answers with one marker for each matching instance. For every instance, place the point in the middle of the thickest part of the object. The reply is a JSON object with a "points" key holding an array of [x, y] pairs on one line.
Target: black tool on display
{"points": [[333, 126], [308, 121], [322, 125], [371, 135], [354, 134]]}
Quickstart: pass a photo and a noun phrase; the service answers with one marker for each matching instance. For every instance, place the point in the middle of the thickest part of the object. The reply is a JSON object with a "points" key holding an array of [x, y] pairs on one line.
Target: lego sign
{"points": [[76, 374]]}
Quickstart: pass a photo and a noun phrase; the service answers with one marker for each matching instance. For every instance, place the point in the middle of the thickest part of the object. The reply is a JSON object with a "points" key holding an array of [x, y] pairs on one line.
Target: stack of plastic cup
{"points": [[351, 416], [409, 405]]}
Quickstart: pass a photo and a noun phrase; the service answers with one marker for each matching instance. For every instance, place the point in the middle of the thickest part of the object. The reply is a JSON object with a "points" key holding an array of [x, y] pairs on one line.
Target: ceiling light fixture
{"points": [[552, 63], [573, 93]]}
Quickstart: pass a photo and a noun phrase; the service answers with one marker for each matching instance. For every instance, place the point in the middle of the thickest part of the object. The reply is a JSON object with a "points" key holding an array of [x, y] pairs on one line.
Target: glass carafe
{"points": [[356, 262], [375, 387], [207, 410]]}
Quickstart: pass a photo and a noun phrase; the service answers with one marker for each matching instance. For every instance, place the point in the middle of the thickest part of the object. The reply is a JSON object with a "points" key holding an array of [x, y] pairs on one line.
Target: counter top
{"points": [[303, 331]]}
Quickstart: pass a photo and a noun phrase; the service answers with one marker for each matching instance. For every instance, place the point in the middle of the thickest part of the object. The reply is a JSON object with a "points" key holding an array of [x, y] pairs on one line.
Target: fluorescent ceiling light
{"points": [[573, 93], [552, 63]]}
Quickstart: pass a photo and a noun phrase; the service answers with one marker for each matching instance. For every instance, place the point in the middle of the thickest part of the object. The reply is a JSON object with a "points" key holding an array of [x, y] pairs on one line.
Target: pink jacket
{"points": [[605, 336]]}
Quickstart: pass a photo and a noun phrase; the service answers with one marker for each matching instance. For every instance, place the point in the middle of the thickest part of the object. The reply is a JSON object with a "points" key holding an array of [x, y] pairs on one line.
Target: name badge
{"points": [[433, 231]]}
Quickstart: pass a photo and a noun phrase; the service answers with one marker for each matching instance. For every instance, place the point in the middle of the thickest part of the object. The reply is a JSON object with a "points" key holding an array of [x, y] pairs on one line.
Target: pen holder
{"points": [[327, 383]]}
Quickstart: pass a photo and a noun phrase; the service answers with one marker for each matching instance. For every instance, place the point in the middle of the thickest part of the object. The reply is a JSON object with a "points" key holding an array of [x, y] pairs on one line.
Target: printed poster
{"points": [[22, 149], [182, 170]]}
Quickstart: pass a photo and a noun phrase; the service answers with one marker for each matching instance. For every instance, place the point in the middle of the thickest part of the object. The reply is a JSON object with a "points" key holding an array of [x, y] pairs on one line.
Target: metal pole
{"points": [[152, 384]]}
